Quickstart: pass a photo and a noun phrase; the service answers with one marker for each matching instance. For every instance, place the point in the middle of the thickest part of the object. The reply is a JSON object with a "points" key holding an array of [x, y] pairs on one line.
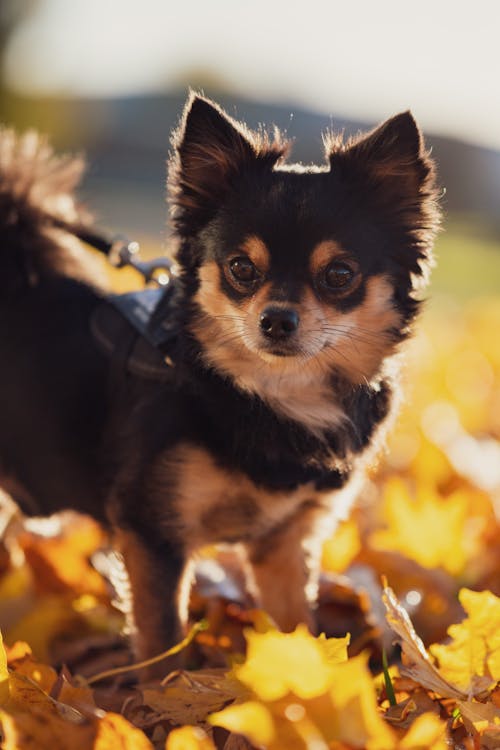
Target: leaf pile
{"points": [[428, 522]]}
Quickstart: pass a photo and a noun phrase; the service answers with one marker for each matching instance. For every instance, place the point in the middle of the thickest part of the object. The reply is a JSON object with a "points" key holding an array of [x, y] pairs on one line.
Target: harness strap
{"points": [[126, 339], [135, 330]]}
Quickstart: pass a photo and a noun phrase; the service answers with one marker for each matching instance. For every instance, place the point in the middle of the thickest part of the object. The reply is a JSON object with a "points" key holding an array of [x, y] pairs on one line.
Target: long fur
{"points": [[36, 196], [297, 288]]}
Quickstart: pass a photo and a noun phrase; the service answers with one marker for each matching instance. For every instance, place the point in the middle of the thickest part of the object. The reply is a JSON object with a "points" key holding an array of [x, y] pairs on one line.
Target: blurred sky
{"points": [[363, 60]]}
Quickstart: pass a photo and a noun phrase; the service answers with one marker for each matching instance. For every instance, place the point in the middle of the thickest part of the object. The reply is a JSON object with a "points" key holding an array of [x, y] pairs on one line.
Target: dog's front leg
{"points": [[285, 566], [157, 583]]}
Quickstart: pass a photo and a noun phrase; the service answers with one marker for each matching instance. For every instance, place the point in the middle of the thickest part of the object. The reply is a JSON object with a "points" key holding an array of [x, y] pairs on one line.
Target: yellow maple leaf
{"points": [[474, 650], [334, 649], [355, 719], [429, 529], [342, 710], [427, 732], [253, 719], [188, 738], [113, 731], [280, 663]]}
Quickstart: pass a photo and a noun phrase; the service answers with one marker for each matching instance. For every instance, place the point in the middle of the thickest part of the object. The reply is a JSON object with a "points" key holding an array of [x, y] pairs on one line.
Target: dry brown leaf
{"points": [[403, 714], [418, 666], [65, 691], [188, 697], [482, 720], [38, 729]]}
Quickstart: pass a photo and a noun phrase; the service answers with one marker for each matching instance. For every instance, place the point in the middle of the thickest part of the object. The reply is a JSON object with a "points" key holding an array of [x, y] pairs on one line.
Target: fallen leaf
{"points": [[252, 719], [418, 665], [474, 650], [188, 697], [428, 528], [39, 729], [279, 663], [355, 719], [60, 564], [403, 714], [189, 738], [483, 721], [113, 732], [427, 732], [65, 691], [36, 729]]}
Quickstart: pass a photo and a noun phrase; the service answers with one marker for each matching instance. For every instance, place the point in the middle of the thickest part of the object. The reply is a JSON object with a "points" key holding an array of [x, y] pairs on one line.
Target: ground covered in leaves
{"points": [[424, 543]]}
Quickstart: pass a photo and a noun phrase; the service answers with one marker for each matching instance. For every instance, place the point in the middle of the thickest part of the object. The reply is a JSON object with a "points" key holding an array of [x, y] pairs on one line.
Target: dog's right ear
{"points": [[211, 150]]}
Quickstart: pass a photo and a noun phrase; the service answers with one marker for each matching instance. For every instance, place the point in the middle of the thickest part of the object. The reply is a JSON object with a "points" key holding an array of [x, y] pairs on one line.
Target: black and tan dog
{"points": [[297, 285]]}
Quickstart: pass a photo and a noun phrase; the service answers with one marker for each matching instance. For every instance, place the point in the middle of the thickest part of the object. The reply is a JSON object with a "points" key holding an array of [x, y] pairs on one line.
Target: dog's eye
{"points": [[243, 269], [338, 275]]}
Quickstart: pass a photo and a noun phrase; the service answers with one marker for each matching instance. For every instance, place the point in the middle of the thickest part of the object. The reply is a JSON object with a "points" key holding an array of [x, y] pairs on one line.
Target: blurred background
{"points": [[109, 78]]}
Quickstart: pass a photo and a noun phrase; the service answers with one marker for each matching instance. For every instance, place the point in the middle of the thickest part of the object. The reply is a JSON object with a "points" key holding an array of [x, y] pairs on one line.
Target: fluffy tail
{"points": [[36, 201]]}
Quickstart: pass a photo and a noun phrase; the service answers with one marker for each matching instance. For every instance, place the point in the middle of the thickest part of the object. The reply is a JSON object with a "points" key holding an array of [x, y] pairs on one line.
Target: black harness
{"points": [[124, 327], [136, 330]]}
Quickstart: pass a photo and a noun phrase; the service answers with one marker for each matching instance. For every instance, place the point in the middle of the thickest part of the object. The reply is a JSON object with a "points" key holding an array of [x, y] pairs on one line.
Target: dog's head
{"points": [[300, 269]]}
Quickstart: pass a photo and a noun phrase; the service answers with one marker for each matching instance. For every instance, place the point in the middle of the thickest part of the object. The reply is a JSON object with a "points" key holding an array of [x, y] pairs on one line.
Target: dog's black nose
{"points": [[278, 323]]}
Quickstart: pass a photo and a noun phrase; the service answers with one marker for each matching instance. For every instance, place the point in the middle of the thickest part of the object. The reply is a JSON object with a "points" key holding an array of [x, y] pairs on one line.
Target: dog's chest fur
{"points": [[213, 504]]}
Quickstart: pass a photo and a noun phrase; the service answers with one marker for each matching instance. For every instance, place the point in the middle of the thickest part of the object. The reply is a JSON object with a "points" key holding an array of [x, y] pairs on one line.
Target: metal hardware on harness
{"points": [[136, 330], [124, 252]]}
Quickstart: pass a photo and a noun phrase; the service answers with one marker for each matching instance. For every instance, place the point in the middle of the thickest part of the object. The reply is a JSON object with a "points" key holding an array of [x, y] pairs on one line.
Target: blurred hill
{"points": [[127, 140]]}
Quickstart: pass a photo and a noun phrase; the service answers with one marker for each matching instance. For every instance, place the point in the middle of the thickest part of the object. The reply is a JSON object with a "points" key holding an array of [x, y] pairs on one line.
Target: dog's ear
{"points": [[211, 150], [393, 155], [391, 170]]}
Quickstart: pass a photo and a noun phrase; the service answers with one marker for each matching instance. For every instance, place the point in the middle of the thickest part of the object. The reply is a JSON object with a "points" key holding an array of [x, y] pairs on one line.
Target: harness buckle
{"points": [[125, 252]]}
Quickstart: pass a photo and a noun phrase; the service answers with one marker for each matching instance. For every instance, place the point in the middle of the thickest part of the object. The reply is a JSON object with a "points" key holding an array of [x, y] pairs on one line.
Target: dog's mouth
{"points": [[280, 350]]}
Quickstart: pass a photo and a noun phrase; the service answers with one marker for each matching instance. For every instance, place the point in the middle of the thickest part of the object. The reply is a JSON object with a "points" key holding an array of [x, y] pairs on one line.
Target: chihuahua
{"points": [[296, 287]]}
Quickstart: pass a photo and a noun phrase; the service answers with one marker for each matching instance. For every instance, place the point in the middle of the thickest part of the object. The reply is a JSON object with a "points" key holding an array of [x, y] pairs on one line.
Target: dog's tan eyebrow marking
{"points": [[323, 253], [257, 251]]}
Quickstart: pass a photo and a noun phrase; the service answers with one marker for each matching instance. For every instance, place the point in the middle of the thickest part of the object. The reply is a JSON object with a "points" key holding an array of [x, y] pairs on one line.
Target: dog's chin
{"points": [[280, 354], [288, 355]]}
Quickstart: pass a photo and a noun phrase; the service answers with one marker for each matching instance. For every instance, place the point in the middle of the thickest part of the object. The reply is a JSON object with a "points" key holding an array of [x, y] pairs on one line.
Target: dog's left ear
{"points": [[393, 154], [211, 151], [391, 170]]}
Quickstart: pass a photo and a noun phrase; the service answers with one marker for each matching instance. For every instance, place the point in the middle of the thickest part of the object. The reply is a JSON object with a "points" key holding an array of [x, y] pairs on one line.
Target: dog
{"points": [[297, 286]]}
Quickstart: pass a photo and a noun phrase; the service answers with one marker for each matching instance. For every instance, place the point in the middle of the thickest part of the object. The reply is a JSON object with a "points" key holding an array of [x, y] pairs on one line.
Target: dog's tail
{"points": [[37, 207]]}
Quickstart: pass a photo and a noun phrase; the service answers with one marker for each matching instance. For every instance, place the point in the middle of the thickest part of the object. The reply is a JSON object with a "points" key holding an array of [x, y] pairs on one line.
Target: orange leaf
{"points": [[61, 564]]}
